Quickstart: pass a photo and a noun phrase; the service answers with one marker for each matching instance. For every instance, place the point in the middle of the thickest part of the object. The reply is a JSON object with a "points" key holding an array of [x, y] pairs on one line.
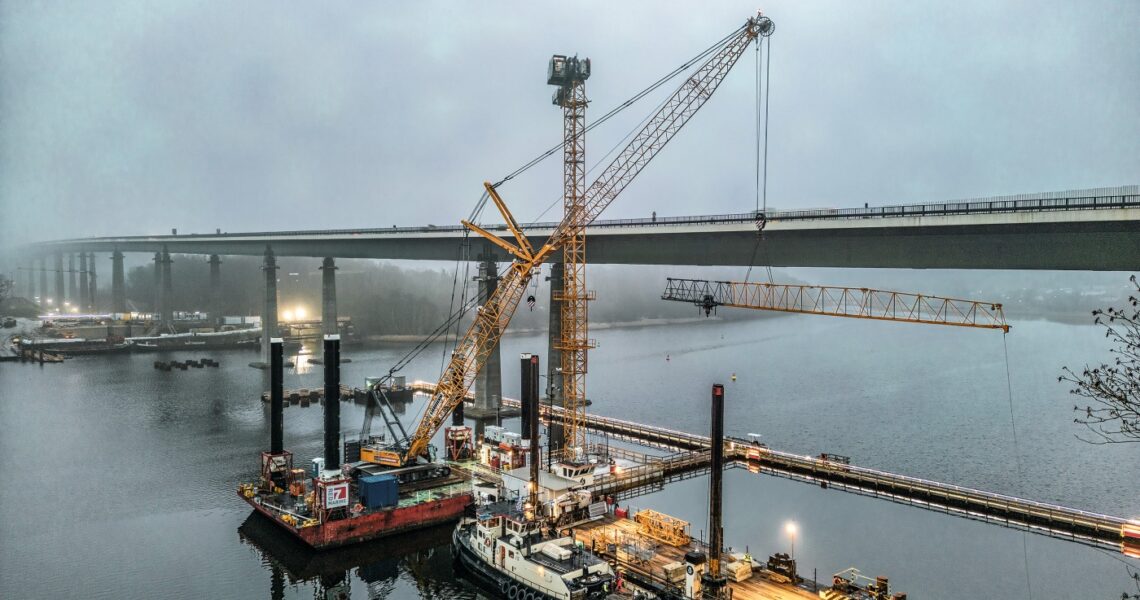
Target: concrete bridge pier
{"points": [[118, 284], [269, 310], [554, 334], [166, 294], [31, 283], [328, 297], [60, 291], [84, 286], [215, 308], [92, 286], [44, 293], [489, 383], [556, 432], [73, 286], [154, 306]]}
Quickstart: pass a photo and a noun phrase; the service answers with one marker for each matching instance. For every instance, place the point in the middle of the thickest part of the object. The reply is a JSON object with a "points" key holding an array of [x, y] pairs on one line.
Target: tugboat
{"points": [[511, 553]]}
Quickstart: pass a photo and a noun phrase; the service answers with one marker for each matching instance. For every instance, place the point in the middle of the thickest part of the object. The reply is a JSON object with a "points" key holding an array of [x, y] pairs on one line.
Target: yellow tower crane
{"points": [[491, 319], [574, 343]]}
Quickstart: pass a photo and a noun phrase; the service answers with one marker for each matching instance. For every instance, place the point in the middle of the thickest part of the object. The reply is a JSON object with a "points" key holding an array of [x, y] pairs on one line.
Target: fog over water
{"points": [[127, 118], [143, 464]]}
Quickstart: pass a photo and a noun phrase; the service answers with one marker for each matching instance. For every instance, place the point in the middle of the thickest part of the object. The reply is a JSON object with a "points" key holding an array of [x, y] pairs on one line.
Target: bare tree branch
{"points": [[1111, 391]]}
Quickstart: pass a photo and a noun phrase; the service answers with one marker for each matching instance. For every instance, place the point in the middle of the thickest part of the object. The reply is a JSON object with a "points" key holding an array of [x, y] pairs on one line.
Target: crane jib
{"points": [[492, 318]]}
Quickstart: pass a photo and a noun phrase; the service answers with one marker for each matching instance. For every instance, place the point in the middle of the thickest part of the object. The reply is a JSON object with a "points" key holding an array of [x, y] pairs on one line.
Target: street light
{"points": [[791, 529]]}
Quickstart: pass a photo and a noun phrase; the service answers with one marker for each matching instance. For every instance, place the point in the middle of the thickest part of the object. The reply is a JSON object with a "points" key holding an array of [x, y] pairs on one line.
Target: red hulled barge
{"points": [[329, 505]]}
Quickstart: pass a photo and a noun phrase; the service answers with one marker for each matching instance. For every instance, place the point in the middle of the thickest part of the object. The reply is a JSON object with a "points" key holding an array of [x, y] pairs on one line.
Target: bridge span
{"points": [[1093, 229]]}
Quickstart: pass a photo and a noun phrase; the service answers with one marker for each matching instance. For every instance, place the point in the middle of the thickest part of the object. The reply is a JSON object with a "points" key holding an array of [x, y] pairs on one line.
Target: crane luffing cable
{"points": [[466, 305], [492, 318], [860, 303], [612, 112]]}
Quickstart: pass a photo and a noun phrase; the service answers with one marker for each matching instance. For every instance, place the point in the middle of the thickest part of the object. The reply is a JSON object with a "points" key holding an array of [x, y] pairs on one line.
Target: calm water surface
{"points": [[118, 480]]}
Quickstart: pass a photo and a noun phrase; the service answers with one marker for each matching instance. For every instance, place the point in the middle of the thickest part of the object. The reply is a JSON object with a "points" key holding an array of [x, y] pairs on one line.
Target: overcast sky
{"points": [[136, 117]]}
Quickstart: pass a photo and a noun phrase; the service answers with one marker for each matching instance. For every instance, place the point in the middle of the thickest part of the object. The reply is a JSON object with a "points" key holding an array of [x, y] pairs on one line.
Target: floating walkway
{"points": [[1053, 520]]}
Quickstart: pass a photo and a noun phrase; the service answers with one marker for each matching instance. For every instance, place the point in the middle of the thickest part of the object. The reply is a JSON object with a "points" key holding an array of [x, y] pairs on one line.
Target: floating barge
{"points": [[330, 506], [320, 528]]}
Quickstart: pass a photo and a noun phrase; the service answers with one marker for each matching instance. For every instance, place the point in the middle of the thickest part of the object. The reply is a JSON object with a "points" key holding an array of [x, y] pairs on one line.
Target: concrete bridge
{"points": [[1079, 230], [1092, 230]]}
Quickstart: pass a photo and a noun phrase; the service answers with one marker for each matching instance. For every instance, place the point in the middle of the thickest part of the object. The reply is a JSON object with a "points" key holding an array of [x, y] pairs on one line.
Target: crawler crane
{"points": [[491, 319]]}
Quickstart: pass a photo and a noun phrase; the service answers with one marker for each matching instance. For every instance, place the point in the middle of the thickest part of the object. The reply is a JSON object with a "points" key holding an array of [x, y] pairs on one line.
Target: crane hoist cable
{"points": [[1017, 459], [764, 82]]}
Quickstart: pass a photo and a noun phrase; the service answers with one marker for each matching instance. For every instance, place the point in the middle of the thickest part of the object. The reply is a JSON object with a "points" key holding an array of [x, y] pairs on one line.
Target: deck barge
{"points": [[648, 562]]}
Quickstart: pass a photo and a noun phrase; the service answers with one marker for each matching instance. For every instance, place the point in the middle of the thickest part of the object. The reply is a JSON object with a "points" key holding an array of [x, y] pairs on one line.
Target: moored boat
{"points": [[516, 557]]}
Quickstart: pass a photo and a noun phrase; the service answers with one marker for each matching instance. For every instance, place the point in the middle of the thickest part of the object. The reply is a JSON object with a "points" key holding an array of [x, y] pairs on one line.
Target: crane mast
{"points": [[492, 318], [570, 74]]}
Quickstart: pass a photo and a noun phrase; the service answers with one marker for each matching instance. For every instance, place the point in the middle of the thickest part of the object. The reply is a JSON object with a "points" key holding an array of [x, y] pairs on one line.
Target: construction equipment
{"points": [[491, 319], [857, 303], [570, 75], [662, 527], [375, 449]]}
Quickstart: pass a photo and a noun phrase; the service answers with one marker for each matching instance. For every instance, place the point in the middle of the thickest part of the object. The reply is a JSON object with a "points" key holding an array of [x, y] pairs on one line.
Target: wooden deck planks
{"points": [[624, 531]]}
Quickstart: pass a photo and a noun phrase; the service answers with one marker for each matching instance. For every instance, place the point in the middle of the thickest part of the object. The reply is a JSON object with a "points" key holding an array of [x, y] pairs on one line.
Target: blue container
{"points": [[379, 491]]}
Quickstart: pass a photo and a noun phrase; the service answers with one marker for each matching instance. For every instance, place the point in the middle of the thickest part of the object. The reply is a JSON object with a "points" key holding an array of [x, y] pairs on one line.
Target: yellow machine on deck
{"points": [[662, 527]]}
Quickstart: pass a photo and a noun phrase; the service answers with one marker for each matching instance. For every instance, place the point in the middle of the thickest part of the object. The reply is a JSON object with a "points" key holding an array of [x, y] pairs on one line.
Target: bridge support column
{"points": [[92, 286], [215, 308], [328, 297], [556, 433], [118, 284], [269, 310], [166, 294], [84, 285], [44, 293], [31, 285], [154, 307], [60, 291], [489, 383], [73, 286]]}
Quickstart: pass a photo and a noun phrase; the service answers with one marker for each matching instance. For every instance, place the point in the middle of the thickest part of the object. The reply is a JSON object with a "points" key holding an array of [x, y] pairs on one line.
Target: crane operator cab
{"points": [[565, 72]]}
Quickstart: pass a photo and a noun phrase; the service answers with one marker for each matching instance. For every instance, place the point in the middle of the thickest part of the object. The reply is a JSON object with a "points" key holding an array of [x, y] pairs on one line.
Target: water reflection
{"points": [[385, 566]]}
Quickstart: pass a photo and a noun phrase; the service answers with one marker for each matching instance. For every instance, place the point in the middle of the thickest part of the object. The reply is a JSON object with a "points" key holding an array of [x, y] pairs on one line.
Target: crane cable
{"points": [[464, 253], [761, 174], [1017, 458], [624, 105], [597, 163]]}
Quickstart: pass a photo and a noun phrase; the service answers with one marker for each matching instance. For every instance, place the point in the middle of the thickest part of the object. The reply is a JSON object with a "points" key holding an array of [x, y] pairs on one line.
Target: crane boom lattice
{"points": [[858, 303], [570, 75], [492, 318]]}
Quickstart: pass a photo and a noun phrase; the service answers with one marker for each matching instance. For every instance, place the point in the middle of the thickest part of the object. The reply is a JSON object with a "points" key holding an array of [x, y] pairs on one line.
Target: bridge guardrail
{"points": [[1129, 197]]}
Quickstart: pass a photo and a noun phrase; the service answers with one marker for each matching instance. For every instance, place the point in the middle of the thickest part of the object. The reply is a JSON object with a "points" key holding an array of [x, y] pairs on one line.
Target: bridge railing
{"points": [[1123, 197]]}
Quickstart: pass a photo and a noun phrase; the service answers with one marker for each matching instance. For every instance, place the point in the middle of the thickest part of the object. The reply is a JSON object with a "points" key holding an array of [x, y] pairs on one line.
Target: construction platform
{"points": [[618, 540]]}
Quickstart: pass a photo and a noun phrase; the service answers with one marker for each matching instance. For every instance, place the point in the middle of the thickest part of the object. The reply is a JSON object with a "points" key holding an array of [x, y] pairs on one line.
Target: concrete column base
{"points": [[504, 412], [263, 366]]}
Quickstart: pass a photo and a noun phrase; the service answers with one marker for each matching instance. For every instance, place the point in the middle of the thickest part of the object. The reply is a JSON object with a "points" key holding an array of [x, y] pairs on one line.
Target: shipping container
{"points": [[379, 491]]}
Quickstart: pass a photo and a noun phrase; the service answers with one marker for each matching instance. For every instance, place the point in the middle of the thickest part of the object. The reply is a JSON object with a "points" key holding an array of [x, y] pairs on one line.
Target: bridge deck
{"points": [[1081, 229]]}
